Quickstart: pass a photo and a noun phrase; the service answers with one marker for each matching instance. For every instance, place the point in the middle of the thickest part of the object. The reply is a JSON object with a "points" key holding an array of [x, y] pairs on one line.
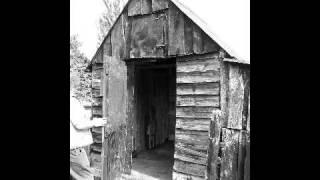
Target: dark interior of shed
{"points": [[154, 129]]}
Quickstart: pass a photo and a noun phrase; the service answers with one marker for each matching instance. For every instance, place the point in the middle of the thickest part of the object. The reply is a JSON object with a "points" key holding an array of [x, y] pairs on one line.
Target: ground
{"points": [[154, 164]]}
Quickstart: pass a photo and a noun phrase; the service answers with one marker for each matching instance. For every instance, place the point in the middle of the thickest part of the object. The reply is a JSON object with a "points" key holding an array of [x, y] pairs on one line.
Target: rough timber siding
{"points": [[229, 149], [197, 96]]}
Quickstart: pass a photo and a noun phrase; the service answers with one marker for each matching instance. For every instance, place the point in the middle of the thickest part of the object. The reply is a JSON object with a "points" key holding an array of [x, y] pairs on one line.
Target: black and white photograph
{"points": [[159, 89]]}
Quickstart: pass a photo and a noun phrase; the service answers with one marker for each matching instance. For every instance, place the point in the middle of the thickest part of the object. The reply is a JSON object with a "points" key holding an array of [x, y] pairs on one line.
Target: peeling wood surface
{"points": [[148, 36], [134, 7], [197, 100], [146, 6], [176, 31], [198, 64], [194, 112], [189, 168], [159, 5], [229, 161], [236, 97], [181, 176], [214, 146], [193, 124], [198, 89]]}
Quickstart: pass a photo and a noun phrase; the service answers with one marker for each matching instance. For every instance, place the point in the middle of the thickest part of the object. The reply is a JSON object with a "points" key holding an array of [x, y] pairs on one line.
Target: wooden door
{"points": [[116, 144]]}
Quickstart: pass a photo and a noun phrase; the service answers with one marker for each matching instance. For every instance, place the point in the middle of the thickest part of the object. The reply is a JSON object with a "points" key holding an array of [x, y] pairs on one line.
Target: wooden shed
{"points": [[160, 68]]}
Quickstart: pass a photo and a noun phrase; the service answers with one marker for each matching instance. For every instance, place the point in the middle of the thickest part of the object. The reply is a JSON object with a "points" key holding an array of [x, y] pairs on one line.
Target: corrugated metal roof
{"points": [[227, 22]]}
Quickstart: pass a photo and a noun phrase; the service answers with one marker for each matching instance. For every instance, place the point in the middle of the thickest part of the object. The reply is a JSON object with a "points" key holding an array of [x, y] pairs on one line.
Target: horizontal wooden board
{"points": [[97, 110], [189, 168], [193, 124], [97, 138], [96, 147], [194, 112], [198, 77], [197, 100], [198, 89], [96, 93], [182, 176], [189, 155], [198, 65], [97, 130], [192, 138]]}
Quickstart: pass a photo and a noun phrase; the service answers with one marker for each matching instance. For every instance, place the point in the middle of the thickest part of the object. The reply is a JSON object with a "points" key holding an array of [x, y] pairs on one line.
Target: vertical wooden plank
{"points": [[229, 154], [146, 6], [241, 155], [107, 50], [248, 121], [208, 44], [105, 72], [176, 31], [247, 159], [118, 38], [134, 7], [214, 146], [197, 39], [188, 31], [236, 97], [224, 89], [159, 5], [130, 116], [246, 82]]}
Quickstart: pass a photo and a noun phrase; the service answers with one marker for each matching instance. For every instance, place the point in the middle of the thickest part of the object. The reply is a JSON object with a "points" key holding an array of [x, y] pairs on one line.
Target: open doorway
{"points": [[154, 126]]}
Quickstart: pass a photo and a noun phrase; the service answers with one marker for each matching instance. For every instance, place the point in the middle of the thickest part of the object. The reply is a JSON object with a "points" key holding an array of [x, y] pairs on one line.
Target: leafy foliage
{"points": [[109, 16], [78, 64]]}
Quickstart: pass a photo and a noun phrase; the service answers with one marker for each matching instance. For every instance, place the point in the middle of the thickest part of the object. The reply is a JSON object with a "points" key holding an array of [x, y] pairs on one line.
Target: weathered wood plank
{"points": [[189, 156], [107, 50], [97, 138], [181, 176], [148, 36], [95, 93], [214, 146], [224, 89], [246, 83], [97, 74], [198, 89], [96, 102], [192, 137], [188, 34], [248, 121], [194, 112], [188, 149], [198, 77], [197, 100], [118, 38], [197, 57], [146, 6], [190, 145], [236, 97], [176, 31], [198, 65], [193, 124], [208, 44], [197, 39], [99, 58], [189, 168], [134, 7], [96, 147], [247, 159], [241, 155], [229, 154], [159, 5], [97, 111]]}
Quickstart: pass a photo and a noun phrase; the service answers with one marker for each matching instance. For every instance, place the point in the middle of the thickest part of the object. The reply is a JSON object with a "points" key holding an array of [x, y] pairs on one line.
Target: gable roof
{"points": [[227, 22]]}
